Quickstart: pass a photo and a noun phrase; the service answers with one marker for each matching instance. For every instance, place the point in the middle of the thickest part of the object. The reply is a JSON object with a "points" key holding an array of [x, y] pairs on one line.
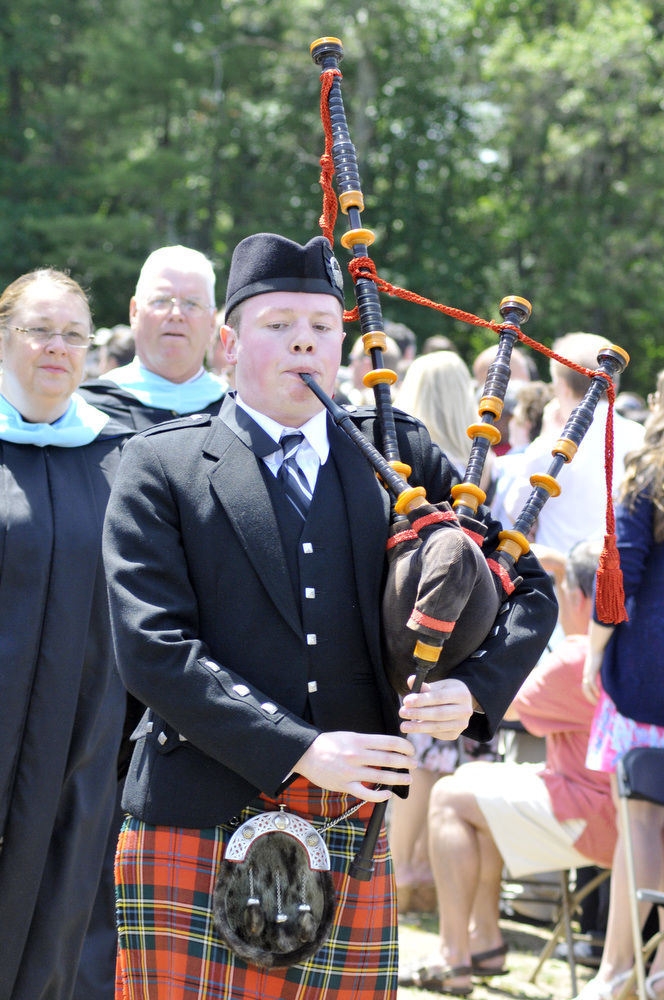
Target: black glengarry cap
{"points": [[266, 262]]}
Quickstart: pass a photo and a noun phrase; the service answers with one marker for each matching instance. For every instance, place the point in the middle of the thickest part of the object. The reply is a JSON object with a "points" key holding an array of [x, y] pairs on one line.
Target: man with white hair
{"points": [[172, 314], [173, 317]]}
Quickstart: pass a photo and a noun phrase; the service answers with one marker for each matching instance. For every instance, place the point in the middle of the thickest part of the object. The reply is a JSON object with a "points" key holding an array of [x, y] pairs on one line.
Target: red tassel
{"points": [[610, 597]]}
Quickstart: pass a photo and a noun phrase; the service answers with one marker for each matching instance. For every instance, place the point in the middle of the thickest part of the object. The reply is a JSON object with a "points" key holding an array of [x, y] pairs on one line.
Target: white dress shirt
{"points": [[312, 453]]}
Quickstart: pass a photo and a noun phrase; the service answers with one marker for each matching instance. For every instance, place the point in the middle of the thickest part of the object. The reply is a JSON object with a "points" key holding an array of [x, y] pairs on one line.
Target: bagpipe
{"points": [[443, 591]]}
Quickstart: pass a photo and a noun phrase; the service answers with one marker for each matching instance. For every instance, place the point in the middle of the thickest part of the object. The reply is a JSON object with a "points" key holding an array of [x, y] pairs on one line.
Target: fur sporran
{"points": [[274, 900]]}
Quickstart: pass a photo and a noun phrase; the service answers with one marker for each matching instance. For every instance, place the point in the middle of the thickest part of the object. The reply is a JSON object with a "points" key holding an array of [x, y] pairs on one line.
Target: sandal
{"points": [[483, 972], [596, 990], [651, 993], [434, 978]]}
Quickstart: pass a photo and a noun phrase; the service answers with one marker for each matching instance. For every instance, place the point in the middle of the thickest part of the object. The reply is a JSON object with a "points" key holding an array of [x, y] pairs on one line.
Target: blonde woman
{"points": [[438, 389]]}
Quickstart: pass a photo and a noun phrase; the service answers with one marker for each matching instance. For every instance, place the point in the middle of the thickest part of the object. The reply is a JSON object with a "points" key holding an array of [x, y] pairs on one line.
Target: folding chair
{"points": [[569, 904], [640, 774]]}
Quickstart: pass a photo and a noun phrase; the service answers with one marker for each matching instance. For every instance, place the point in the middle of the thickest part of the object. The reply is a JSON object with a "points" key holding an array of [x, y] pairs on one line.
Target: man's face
{"points": [[281, 334], [172, 337]]}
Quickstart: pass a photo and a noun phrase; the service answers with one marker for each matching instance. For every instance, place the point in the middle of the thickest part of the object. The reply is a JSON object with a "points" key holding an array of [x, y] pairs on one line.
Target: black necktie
{"points": [[292, 478]]}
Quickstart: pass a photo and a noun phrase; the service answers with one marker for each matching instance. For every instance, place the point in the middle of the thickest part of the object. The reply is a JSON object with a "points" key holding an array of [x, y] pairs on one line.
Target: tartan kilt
{"points": [[169, 949]]}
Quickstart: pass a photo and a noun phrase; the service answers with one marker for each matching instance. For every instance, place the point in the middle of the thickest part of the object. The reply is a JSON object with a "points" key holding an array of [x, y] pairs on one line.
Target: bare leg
{"points": [[656, 976], [409, 832], [656, 972], [484, 927], [456, 826]]}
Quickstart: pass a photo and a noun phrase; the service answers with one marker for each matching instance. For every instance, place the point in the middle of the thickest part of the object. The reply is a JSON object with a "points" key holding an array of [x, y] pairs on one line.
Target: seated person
{"points": [[527, 817]]}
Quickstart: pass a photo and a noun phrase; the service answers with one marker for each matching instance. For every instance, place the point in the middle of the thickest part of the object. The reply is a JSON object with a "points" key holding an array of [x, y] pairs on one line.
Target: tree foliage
{"points": [[505, 146]]}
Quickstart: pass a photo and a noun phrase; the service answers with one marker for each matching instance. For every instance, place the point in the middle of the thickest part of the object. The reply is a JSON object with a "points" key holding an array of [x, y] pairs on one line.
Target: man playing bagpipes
{"points": [[246, 579]]}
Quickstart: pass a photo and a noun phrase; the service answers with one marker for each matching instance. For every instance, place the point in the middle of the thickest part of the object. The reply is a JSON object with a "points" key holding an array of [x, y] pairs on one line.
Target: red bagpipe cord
{"points": [[329, 216], [610, 598]]}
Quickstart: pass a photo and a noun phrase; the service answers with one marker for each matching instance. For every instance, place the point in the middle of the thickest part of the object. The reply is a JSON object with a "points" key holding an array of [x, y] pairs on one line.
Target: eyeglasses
{"points": [[42, 336], [189, 307]]}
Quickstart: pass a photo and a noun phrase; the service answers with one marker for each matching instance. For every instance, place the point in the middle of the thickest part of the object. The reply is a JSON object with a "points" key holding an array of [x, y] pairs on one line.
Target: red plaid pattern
{"points": [[169, 949]]}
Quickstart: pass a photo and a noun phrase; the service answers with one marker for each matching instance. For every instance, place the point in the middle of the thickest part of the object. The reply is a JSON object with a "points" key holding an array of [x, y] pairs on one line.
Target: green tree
{"points": [[575, 193], [505, 146]]}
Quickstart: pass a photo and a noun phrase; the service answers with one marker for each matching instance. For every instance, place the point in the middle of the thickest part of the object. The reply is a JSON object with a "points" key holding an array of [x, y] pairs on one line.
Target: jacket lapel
{"points": [[238, 483]]}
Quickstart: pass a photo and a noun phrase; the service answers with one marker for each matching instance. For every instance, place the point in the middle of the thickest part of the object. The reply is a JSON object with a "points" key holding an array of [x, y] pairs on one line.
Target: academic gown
{"points": [[123, 407], [96, 976], [62, 707]]}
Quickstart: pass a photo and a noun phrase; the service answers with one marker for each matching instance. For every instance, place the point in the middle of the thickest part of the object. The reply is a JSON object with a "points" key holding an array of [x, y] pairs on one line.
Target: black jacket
{"points": [[202, 608]]}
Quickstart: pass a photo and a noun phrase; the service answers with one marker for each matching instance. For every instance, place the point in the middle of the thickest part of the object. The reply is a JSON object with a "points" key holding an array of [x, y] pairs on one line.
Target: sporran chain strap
{"points": [[344, 815]]}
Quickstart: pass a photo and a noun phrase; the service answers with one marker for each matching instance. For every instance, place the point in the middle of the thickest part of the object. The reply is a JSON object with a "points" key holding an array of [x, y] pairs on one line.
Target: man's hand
{"points": [[351, 762], [441, 709]]}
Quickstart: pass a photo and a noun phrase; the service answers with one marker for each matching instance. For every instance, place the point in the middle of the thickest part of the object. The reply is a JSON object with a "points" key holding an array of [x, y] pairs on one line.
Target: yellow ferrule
{"points": [[548, 483], [351, 199], [378, 375], [468, 495], [514, 543], [423, 651], [353, 236], [325, 40], [566, 448], [401, 467], [407, 499], [374, 338], [484, 430], [491, 404]]}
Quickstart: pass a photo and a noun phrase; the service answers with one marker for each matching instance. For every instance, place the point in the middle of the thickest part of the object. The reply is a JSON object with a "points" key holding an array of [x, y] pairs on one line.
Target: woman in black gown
{"points": [[61, 701]]}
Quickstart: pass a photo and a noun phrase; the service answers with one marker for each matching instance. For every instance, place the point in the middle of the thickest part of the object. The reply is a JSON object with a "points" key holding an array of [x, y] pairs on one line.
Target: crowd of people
{"points": [[195, 554]]}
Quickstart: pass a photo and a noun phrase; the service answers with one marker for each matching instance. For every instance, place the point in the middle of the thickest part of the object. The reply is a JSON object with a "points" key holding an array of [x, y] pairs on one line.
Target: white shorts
{"points": [[516, 805]]}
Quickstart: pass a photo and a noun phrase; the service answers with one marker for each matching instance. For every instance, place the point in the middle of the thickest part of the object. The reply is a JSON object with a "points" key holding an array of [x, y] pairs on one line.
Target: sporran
{"points": [[274, 901]]}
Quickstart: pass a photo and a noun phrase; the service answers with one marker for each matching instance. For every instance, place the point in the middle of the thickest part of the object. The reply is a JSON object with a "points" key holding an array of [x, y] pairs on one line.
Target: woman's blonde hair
{"points": [[438, 390], [644, 468]]}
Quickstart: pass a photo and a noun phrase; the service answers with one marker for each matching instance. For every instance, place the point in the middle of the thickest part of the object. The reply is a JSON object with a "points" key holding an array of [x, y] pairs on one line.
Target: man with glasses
{"points": [[172, 315]]}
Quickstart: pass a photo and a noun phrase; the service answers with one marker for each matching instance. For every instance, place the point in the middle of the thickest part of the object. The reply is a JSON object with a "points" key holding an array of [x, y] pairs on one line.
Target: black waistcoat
{"points": [[341, 687]]}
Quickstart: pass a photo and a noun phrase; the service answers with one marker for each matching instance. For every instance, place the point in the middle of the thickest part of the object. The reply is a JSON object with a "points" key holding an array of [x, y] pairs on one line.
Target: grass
{"points": [[418, 940]]}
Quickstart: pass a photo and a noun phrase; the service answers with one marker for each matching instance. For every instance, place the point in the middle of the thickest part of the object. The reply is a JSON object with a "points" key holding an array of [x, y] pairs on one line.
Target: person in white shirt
{"points": [[579, 512]]}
